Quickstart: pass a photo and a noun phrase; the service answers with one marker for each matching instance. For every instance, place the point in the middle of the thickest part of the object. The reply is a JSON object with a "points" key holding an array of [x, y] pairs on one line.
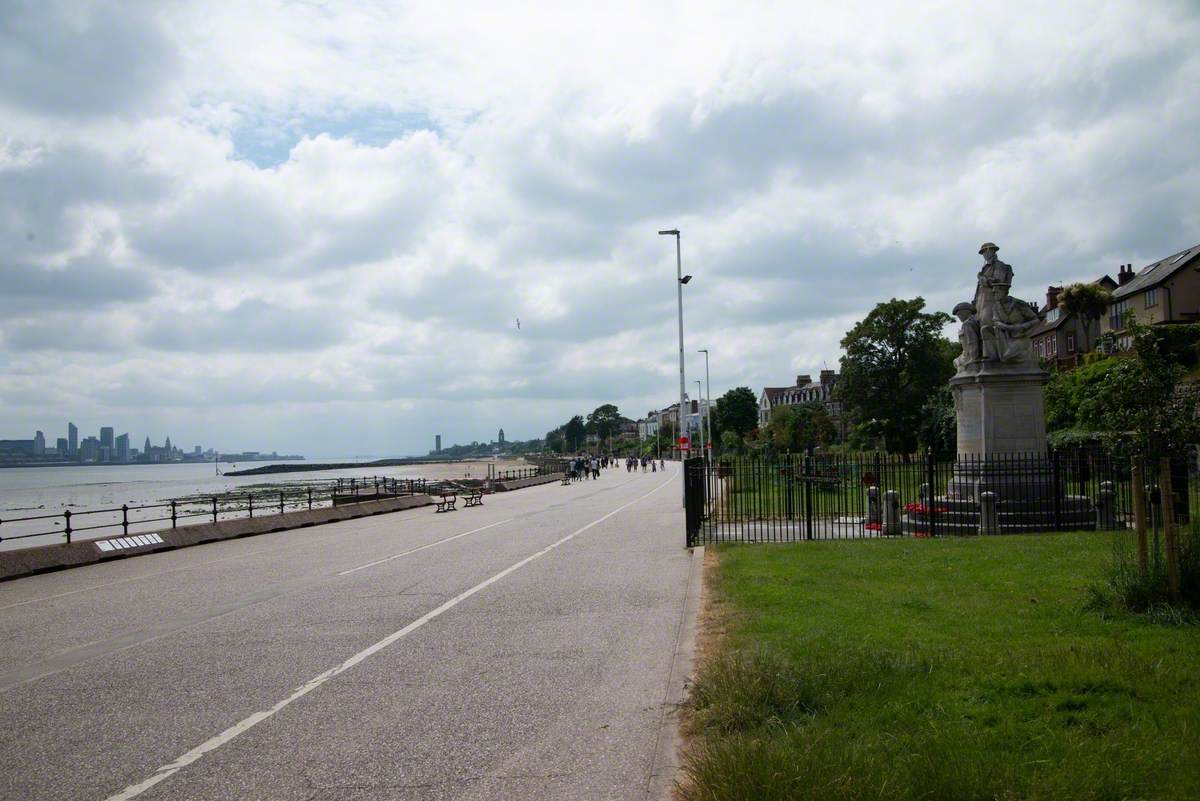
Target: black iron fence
{"points": [[141, 518], [851, 495], [543, 469]]}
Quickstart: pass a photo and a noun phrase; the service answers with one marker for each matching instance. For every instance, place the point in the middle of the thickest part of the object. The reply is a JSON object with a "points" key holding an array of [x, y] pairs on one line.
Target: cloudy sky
{"points": [[311, 226]]}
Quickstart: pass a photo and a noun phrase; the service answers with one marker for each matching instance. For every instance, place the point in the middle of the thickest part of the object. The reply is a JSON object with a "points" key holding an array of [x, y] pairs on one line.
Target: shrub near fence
{"points": [[843, 495]]}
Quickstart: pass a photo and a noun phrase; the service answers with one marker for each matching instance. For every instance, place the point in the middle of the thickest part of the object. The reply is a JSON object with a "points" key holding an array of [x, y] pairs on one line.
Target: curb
{"points": [[664, 770]]}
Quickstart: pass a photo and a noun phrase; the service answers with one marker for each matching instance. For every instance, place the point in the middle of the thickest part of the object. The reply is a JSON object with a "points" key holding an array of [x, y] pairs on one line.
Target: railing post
{"points": [[1138, 491], [931, 479], [250, 496], [808, 497], [1055, 482], [174, 516], [281, 502], [987, 513], [125, 519], [67, 524], [310, 499], [1170, 540], [214, 500]]}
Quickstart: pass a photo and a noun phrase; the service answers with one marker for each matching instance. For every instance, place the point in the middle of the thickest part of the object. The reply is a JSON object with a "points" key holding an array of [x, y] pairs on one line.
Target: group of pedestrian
{"points": [[583, 467], [633, 463]]}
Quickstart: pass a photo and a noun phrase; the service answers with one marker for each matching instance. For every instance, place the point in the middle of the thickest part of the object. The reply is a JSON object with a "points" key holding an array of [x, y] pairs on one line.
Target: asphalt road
{"points": [[528, 649]]}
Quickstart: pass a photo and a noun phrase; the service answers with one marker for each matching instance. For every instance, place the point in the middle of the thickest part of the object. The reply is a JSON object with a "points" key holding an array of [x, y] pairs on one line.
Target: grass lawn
{"points": [[938, 669]]}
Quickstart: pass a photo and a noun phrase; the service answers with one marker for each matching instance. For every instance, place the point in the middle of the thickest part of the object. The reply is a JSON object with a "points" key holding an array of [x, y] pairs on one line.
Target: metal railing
{"points": [[141, 518], [848, 495], [515, 474]]}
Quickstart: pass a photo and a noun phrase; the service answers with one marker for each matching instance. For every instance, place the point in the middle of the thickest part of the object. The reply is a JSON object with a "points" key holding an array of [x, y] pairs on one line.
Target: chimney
{"points": [[803, 380], [828, 377], [1125, 275], [1052, 293]]}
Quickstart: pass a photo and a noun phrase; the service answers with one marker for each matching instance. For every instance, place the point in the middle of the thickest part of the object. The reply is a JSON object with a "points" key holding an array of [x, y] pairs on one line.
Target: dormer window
{"points": [[1052, 315]]}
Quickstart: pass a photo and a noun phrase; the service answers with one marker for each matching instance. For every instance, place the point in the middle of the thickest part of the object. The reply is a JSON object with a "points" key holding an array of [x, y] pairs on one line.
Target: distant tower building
{"points": [[89, 450], [437, 443], [167, 449], [72, 440], [500, 439], [39, 444], [123, 448], [106, 437], [146, 448], [63, 447]]}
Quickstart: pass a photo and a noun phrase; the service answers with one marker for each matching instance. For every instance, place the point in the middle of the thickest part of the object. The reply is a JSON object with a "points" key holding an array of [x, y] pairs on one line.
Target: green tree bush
{"points": [[896, 359]]}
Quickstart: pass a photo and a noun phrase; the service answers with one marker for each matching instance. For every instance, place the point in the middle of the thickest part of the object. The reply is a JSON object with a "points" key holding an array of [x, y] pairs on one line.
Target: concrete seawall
{"points": [[43, 558]]}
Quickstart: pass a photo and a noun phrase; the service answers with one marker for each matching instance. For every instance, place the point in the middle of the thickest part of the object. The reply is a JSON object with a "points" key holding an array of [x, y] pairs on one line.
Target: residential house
{"points": [[823, 391], [1061, 338], [1162, 293]]}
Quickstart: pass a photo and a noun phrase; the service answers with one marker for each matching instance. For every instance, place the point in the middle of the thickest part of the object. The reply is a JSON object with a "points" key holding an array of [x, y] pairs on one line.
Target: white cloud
{"points": [[317, 223]]}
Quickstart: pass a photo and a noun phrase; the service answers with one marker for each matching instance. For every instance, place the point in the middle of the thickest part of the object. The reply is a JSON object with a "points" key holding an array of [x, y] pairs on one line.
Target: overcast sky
{"points": [[311, 226]]}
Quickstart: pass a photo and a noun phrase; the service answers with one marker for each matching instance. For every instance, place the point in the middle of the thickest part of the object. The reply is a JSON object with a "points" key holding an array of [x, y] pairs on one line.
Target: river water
{"points": [[30, 491]]}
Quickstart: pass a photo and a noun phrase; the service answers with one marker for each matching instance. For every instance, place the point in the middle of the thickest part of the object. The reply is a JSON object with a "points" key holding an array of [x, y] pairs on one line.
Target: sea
{"points": [[35, 491]]}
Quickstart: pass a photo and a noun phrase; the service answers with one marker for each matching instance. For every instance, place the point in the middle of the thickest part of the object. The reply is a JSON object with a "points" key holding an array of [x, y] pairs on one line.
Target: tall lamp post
{"points": [[708, 406], [680, 280], [700, 412]]}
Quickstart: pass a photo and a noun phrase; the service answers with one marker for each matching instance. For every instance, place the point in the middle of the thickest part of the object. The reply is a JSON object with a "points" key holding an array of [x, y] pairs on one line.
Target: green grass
{"points": [[945, 669]]}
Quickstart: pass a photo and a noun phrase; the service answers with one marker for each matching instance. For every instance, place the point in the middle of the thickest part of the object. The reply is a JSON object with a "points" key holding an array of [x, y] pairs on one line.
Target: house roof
{"points": [[773, 393], [1154, 274]]}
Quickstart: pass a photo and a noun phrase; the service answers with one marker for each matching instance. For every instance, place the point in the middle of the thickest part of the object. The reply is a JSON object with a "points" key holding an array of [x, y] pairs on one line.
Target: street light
{"points": [[679, 282], [708, 407], [700, 413]]}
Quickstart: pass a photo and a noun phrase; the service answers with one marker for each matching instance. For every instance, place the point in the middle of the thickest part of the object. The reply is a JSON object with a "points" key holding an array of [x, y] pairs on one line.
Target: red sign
{"points": [[683, 441], [709, 446]]}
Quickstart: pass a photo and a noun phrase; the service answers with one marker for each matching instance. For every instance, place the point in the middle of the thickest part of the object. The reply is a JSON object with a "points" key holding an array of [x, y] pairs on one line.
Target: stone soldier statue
{"points": [[968, 335], [993, 282]]}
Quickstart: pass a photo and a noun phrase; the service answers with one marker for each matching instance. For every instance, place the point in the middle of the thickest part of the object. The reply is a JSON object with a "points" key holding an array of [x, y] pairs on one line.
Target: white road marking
{"points": [[239, 728], [423, 547]]}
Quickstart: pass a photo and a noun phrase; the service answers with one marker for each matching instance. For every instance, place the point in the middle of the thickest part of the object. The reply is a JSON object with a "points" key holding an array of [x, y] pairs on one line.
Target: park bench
{"points": [[473, 498], [446, 504]]}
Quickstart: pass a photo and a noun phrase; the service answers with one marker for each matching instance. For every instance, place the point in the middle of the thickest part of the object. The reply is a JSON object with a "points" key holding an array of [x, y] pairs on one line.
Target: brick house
{"points": [[805, 390], [1165, 292], [1061, 338]]}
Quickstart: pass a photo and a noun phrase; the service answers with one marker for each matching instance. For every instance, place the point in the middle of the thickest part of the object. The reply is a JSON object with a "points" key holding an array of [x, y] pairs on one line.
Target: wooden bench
{"points": [[446, 504], [474, 498]]}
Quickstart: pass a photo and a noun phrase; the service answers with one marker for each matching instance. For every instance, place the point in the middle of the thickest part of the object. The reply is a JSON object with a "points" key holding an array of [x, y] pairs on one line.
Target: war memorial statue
{"points": [[1003, 476]]}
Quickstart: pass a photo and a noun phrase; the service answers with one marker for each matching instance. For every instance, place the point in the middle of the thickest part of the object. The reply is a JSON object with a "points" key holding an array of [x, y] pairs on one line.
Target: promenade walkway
{"points": [[526, 649]]}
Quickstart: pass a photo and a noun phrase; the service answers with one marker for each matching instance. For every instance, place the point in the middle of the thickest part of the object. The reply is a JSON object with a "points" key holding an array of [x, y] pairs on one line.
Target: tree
{"points": [[939, 425], [604, 421], [1145, 397], [896, 358], [794, 429], [736, 411], [574, 433], [1088, 302]]}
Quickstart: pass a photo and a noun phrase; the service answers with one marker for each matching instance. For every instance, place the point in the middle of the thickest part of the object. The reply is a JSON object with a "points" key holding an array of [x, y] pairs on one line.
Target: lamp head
{"points": [[685, 279], [672, 232]]}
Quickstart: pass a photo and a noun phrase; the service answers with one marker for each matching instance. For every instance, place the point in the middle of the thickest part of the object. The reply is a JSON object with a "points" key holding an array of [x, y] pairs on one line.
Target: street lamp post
{"points": [[700, 412], [680, 280], [708, 407]]}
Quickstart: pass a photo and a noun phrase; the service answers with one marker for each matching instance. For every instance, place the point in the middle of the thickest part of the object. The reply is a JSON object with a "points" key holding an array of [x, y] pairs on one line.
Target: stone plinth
{"points": [[1000, 410]]}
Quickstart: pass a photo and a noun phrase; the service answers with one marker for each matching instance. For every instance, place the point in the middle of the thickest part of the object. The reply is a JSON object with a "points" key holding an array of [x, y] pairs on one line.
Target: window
{"points": [[1116, 315], [1070, 343], [1052, 315], [1151, 298]]}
